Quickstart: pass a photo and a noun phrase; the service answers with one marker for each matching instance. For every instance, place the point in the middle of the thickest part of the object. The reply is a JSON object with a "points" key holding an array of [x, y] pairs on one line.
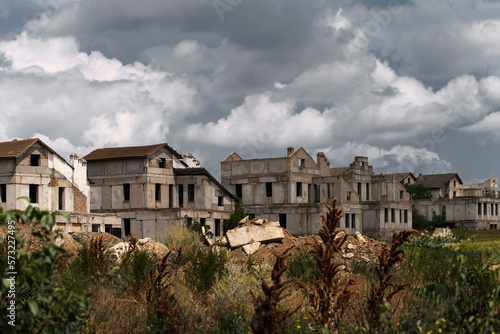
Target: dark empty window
{"points": [[302, 163], [181, 196], [269, 189], [401, 194], [359, 188], [347, 216], [35, 160], [61, 199], [170, 195], [367, 191], [478, 208], [34, 193], [282, 219], [409, 180], [190, 192], [203, 221], [219, 200], [126, 191], [189, 221], [162, 163], [386, 215], [348, 195], [485, 209], [492, 210], [239, 191], [496, 209], [157, 192], [217, 227], [454, 194], [3, 193], [95, 227], [406, 216], [353, 220], [126, 226], [299, 189], [393, 216]]}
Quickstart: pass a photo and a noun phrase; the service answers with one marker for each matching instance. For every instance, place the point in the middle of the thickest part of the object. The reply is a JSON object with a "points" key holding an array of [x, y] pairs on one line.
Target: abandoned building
{"points": [[294, 190], [30, 168], [472, 206], [152, 188]]}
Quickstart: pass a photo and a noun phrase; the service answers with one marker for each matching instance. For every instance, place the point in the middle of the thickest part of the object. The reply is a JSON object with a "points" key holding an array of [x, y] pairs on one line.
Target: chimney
{"points": [[289, 151]]}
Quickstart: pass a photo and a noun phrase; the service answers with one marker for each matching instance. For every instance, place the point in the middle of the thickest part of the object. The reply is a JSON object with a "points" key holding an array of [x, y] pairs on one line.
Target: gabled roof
{"points": [[233, 157], [402, 176], [127, 152], [436, 180], [339, 170], [202, 171], [14, 148]]}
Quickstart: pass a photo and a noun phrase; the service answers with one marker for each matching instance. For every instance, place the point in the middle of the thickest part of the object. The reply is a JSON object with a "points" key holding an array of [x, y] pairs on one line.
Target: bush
{"points": [[301, 265], [41, 305], [204, 268]]}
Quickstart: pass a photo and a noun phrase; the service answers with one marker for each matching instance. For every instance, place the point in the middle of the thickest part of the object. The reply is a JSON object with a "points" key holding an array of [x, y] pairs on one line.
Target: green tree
{"points": [[238, 214], [418, 191]]}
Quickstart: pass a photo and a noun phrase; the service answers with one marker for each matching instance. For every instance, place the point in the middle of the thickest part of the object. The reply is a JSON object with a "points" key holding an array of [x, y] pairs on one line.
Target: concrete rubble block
{"points": [[119, 249], [249, 233], [341, 234], [351, 246], [442, 232], [249, 249], [364, 258], [206, 240], [360, 237], [348, 256], [244, 220], [259, 221]]}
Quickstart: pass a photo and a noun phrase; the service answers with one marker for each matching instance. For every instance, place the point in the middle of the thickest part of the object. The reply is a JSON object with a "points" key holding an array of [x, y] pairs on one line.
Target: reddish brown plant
{"points": [[382, 291], [268, 313], [329, 293]]}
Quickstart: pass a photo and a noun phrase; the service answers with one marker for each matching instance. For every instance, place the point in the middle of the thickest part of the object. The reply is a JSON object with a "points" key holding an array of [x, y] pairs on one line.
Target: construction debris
{"points": [[253, 231]]}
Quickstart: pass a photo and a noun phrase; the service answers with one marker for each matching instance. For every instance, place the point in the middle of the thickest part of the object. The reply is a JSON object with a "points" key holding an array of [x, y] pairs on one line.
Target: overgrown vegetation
{"points": [[418, 191], [420, 284]]}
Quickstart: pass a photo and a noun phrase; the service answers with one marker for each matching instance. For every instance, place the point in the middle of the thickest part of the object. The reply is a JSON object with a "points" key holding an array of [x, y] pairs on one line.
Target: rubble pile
{"points": [[259, 238], [153, 247]]}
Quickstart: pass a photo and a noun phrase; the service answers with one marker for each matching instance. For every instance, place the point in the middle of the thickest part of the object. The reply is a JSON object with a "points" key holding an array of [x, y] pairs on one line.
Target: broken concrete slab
{"points": [[360, 237], [244, 220], [249, 249], [348, 256], [249, 233]]}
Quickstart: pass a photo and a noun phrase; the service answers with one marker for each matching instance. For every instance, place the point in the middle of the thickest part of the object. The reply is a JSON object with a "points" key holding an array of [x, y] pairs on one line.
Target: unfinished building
{"points": [[152, 189], [30, 168], [472, 206], [293, 190]]}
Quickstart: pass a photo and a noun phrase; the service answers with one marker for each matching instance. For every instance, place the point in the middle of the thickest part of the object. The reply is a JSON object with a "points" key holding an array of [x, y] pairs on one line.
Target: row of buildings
{"points": [[144, 190]]}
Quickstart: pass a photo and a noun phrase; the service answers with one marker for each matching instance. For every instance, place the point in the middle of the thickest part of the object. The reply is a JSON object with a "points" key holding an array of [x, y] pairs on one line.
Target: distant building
{"points": [[30, 168], [294, 190], [473, 206], [152, 189]]}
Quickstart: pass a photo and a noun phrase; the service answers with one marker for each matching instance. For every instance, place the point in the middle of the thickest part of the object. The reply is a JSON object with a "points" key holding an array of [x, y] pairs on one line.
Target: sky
{"points": [[412, 85]]}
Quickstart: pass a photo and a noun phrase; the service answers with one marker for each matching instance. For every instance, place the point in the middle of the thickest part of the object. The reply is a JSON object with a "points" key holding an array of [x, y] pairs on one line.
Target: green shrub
{"points": [[471, 302], [136, 269], [205, 267], [41, 304], [301, 265]]}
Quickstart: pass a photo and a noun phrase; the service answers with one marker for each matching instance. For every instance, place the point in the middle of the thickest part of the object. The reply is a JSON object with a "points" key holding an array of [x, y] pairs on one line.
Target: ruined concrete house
{"points": [[152, 188], [473, 206], [30, 168], [294, 189]]}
